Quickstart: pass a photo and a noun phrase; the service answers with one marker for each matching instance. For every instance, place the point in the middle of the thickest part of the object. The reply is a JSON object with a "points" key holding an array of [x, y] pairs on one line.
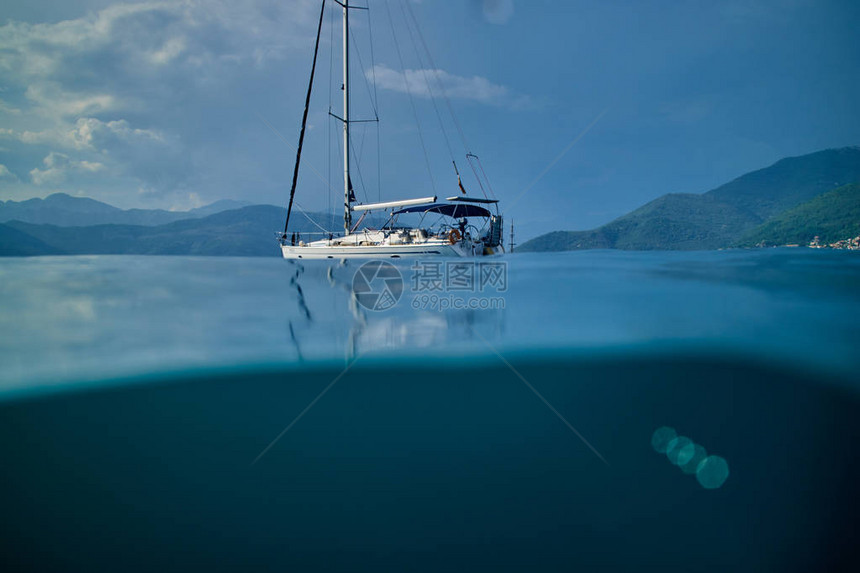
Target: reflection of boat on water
{"points": [[327, 320], [460, 226]]}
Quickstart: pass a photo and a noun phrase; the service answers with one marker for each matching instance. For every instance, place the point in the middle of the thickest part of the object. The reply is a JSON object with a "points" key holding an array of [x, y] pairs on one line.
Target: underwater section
{"points": [[437, 465]]}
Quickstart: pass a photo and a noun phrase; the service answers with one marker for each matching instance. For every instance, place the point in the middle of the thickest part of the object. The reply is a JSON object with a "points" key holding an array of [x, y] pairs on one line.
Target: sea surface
{"points": [[583, 411]]}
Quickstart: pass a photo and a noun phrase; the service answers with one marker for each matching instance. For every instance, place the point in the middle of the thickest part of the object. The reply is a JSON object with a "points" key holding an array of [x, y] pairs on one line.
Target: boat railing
{"points": [[281, 234], [297, 239]]}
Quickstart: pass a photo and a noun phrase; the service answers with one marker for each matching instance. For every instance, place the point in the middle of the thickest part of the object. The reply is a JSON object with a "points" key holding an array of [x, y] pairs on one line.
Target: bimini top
{"points": [[455, 211]]}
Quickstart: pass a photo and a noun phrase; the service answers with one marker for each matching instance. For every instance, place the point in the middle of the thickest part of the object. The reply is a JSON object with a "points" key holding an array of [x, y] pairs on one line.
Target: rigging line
{"points": [[471, 165], [411, 99], [284, 140], [304, 119], [376, 99], [359, 156], [438, 79], [361, 145], [372, 62], [308, 217], [487, 179], [484, 173], [429, 86], [358, 168], [339, 147], [363, 73]]}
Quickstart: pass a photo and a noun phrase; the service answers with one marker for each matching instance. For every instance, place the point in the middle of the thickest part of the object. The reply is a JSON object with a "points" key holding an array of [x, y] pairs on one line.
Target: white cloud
{"points": [[87, 133], [51, 99], [158, 33], [92, 133], [124, 90], [6, 108], [91, 166], [7, 175], [190, 201], [427, 82], [169, 51], [58, 166]]}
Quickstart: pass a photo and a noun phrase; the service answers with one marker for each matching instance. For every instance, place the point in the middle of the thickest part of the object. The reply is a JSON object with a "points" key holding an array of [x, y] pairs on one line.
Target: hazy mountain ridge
{"points": [[16, 243], [249, 231], [65, 210], [720, 217]]}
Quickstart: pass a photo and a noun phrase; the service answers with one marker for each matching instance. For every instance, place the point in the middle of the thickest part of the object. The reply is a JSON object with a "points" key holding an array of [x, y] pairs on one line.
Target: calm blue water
{"points": [[154, 414], [67, 320]]}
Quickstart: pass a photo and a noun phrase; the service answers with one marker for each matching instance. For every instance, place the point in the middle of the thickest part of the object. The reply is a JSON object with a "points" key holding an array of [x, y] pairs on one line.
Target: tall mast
{"points": [[347, 214], [304, 122]]}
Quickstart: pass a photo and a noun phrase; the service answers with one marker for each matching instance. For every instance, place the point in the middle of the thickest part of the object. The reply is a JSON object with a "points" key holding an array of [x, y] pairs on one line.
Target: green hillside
{"points": [[718, 218], [832, 217], [791, 181], [678, 221]]}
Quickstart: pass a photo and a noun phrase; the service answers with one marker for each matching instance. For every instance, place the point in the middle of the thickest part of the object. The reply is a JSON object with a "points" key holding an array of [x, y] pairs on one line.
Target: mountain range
{"points": [[62, 224], [792, 201], [730, 215], [69, 211]]}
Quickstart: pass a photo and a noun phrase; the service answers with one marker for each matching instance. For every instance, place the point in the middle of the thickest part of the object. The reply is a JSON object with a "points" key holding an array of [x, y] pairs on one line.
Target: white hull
{"points": [[344, 248]]}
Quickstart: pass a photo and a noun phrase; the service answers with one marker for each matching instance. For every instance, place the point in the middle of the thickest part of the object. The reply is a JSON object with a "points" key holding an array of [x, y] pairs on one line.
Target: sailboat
{"points": [[458, 226]]}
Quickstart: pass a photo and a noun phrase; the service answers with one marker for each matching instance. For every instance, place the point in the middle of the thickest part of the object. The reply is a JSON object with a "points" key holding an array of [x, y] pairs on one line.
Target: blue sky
{"points": [[177, 104]]}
